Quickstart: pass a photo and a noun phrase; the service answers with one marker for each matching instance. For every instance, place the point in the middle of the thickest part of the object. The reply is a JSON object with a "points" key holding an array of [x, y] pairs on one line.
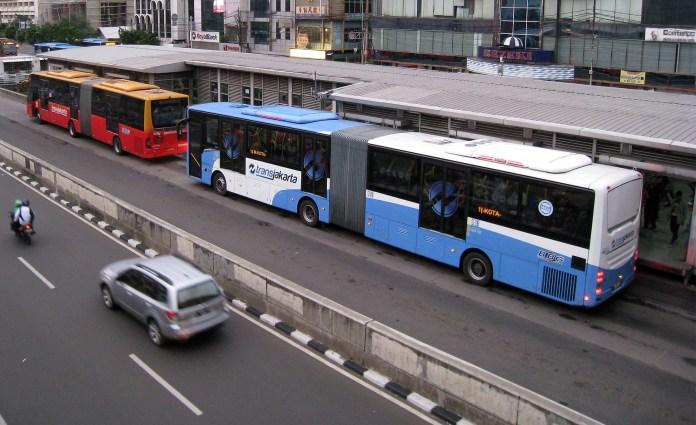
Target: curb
{"points": [[413, 398]]}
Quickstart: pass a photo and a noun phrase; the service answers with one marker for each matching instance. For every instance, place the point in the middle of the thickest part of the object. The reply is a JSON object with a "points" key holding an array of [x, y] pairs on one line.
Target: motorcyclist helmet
{"points": [[25, 202], [18, 203]]}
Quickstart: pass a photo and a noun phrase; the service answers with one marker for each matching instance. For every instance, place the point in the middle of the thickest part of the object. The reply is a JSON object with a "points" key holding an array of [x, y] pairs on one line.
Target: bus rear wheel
{"points": [[477, 268], [219, 183], [38, 116], [309, 214], [118, 148], [71, 129]]}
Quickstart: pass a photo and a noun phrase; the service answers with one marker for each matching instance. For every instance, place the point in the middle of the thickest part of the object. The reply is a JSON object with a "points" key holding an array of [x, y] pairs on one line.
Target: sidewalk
{"points": [[663, 291]]}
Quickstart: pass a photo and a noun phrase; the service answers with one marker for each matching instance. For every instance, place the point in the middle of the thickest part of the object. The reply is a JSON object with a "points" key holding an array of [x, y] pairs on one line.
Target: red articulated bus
{"points": [[131, 116]]}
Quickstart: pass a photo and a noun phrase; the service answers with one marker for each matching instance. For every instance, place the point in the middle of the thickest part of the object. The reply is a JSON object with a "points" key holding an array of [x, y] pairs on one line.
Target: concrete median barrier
{"points": [[480, 396]]}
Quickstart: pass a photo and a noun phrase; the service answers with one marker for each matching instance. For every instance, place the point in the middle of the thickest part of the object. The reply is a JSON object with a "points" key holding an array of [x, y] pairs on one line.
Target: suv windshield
{"points": [[167, 113], [197, 294]]}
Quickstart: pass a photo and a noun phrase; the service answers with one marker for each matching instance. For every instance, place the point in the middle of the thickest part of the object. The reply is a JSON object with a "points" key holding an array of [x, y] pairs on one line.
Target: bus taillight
{"points": [[600, 276], [635, 255], [598, 290]]}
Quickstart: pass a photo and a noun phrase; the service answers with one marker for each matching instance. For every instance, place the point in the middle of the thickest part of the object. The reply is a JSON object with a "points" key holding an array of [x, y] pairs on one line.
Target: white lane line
{"points": [[39, 275], [196, 411], [2, 421]]}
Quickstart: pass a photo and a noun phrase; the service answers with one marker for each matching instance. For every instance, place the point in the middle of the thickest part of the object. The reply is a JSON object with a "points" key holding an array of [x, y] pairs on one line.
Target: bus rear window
{"points": [[623, 203], [167, 113]]}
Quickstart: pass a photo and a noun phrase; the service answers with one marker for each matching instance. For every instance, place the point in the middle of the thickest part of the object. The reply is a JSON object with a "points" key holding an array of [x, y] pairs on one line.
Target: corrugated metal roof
{"points": [[661, 119]]}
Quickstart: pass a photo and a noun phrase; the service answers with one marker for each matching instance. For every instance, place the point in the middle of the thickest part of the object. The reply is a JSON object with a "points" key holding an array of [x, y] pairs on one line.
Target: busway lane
{"points": [[67, 359]]}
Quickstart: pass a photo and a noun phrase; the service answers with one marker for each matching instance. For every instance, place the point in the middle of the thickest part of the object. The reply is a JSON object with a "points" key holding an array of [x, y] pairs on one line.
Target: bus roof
{"points": [[139, 90], [58, 45], [66, 75], [302, 119], [540, 163], [122, 85]]}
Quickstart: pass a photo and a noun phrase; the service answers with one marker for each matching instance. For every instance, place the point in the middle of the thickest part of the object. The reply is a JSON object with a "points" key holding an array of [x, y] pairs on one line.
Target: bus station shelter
{"points": [[653, 132]]}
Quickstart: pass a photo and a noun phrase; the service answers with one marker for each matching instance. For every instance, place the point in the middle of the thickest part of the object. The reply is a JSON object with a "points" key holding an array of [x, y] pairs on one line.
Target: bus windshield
{"points": [[167, 113]]}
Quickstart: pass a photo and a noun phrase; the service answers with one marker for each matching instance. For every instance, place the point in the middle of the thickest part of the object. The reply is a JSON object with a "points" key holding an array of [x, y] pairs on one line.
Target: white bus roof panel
{"points": [[534, 158], [559, 166]]}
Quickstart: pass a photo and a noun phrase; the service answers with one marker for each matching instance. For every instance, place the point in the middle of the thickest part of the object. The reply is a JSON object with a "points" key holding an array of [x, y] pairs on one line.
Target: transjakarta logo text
{"points": [[271, 174]]}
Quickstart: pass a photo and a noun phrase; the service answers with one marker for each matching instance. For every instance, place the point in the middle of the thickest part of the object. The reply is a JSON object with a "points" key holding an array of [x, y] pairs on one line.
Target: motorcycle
{"points": [[25, 232]]}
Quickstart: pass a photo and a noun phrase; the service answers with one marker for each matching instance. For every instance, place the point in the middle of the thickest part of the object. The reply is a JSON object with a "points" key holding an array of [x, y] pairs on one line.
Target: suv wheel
{"points": [[154, 332], [107, 298]]}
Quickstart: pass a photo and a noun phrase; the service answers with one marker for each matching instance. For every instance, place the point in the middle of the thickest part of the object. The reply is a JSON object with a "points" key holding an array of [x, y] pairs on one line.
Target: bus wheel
{"points": [[118, 148], [309, 214], [219, 183], [477, 268], [38, 117], [71, 129]]}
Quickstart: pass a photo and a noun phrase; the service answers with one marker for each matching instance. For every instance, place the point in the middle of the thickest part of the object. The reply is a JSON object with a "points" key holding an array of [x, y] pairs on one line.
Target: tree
{"points": [[69, 30], [137, 37]]}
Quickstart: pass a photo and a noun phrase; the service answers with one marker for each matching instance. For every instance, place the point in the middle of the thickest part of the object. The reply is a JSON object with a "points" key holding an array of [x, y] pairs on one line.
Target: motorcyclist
{"points": [[13, 223], [24, 215]]}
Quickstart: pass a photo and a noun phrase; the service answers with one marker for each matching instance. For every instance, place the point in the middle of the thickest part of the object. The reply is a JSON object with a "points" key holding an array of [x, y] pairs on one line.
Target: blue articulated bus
{"points": [[546, 221], [51, 46]]}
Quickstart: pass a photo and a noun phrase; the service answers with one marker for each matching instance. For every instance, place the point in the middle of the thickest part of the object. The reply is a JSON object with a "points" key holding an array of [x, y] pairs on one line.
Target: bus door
{"points": [[443, 210], [43, 94], [315, 164], [112, 107], [233, 154], [74, 101], [193, 160]]}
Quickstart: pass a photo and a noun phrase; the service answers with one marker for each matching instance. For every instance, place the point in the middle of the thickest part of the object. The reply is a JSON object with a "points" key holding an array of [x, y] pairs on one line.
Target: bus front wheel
{"points": [[477, 268], [309, 214], [220, 184], [118, 148]]}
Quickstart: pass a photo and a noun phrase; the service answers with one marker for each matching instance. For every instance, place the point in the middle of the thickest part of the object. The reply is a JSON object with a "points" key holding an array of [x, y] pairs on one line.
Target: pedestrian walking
{"points": [[676, 217]]}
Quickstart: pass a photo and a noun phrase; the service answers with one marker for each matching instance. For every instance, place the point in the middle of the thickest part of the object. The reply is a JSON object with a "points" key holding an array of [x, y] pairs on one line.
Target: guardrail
{"points": [[479, 395]]}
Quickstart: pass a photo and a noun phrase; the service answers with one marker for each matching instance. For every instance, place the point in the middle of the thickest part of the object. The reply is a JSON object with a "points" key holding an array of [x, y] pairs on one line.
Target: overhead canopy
{"points": [[110, 33]]}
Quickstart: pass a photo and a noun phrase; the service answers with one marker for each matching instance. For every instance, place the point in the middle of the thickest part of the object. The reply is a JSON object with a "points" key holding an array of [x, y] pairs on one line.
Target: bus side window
{"points": [[256, 140], [211, 133]]}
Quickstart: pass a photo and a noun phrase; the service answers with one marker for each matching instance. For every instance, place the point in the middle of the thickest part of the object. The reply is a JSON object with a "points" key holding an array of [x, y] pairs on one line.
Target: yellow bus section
{"points": [[124, 86], [139, 90], [68, 75]]}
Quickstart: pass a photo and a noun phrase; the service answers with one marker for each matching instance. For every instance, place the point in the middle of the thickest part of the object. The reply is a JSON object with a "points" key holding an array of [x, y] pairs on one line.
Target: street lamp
{"points": [[594, 36]]}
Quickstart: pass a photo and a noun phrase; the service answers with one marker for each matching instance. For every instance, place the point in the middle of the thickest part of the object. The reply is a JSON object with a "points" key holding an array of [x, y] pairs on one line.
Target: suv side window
{"points": [[154, 289], [132, 278]]}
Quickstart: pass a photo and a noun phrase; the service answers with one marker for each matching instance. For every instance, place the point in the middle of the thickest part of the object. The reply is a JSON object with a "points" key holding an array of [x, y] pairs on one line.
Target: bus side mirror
{"points": [[180, 127]]}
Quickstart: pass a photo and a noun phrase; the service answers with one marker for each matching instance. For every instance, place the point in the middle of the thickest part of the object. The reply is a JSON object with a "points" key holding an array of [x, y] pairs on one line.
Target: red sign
{"points": [[519, 55]]}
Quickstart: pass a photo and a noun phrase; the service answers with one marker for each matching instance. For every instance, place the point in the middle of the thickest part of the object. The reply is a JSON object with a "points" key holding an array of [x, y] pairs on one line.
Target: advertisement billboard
{"points": [[205, 36], [670, 34]]}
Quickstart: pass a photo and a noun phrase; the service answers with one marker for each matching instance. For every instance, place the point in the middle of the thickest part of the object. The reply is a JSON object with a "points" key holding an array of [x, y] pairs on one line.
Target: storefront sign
{"points": [[632, 77], [670, 34], [513, 55], [355, 35], [309, 11], [205, 36], [230, 47]]}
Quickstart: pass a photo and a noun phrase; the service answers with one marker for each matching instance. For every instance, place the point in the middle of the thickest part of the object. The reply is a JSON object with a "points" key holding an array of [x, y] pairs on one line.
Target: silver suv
{"points": [[174, 298]]}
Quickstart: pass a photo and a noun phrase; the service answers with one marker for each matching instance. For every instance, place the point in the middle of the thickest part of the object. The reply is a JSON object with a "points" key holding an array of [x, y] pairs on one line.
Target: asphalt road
{"points": [[621, 363], [66, 359]]}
